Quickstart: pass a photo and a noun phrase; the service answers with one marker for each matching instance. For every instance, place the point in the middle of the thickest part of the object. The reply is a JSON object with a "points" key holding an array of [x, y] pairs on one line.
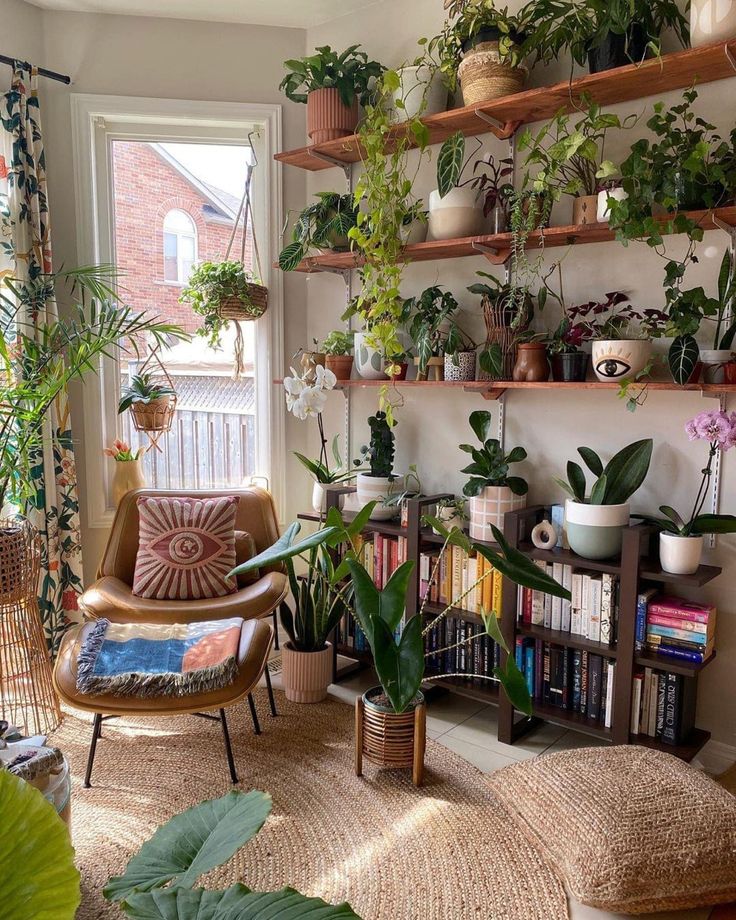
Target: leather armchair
{"points": [[111, 596]]}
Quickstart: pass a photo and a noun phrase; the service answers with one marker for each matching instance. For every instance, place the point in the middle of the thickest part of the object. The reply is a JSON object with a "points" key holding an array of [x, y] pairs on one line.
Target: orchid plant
{"points": [[122, 452], [718, 428]]}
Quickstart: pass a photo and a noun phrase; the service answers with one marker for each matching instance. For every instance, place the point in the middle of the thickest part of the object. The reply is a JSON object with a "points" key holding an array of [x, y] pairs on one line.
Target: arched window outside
{"points": [[180, 246]]}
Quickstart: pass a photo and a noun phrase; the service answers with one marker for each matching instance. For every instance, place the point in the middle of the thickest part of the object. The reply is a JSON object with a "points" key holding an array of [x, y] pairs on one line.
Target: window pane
{"points": [[179, 222], [186, 247]]}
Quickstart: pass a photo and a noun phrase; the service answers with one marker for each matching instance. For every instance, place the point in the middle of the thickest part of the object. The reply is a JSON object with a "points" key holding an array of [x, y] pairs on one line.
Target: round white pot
{"points": [[680, 555], [305, 676], [369, 362], [614, 359], [489, 508], [711, 21], [318, 497], [618, 193], [415, 232], [595, 531], [713, 361], [417, 84], [457, 215], [451, 520], [378, 489]]}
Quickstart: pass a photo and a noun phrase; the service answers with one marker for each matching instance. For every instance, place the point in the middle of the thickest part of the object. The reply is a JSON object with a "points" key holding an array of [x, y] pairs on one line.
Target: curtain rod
{"points": [[51, 74]]}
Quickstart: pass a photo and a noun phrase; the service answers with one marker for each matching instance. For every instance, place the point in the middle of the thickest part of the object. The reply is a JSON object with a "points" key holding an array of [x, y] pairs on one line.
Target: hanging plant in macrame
{"points": [[150, 398], [227, 292]]}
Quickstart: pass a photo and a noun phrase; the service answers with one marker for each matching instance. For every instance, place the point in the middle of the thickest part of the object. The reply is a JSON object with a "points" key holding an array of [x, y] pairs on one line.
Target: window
{"points": [[180, 246]]}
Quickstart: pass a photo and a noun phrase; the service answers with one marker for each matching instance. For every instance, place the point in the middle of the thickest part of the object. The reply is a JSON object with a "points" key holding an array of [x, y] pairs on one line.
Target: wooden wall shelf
{"points": [[497, 247], [623, 84]]}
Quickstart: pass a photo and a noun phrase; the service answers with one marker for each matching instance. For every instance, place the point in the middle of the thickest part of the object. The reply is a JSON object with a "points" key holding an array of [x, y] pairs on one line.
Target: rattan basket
{"points": [[156, 415], [390, 739], [499, 331], [238, 308], [484, 76]]}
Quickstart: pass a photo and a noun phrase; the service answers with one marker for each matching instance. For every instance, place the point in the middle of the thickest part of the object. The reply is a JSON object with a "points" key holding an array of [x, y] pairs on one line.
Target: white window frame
{"points": [[96, 122], [179, 235]]}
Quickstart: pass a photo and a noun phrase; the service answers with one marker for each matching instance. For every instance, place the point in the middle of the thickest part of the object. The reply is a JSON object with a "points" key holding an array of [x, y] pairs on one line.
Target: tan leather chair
{"points": [[255, 645], [111, 596]]}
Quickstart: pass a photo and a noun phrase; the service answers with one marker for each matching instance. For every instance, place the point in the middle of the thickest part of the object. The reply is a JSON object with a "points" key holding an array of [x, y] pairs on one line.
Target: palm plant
{"points": [[38, 359]]}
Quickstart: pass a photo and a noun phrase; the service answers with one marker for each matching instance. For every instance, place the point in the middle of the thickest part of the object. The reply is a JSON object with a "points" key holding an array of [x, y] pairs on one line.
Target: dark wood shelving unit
{"points": [[695, 743], [568, 639], [568, 557], [504, 116], [472, 689], [652, 571], [666, 663]]}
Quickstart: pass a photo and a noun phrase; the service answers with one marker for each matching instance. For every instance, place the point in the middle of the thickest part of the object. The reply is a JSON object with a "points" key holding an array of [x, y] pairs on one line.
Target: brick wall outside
{"points": [[146, 188]]}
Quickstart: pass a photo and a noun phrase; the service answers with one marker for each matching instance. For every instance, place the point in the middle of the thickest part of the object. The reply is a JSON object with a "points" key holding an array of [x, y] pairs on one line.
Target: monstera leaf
{"points": [[237, 903], [192, 843], [39, 879]]}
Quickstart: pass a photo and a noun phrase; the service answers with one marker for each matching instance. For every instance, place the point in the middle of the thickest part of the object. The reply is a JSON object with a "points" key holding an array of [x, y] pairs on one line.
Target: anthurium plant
{"points": [[490, 466], [615, 482]]}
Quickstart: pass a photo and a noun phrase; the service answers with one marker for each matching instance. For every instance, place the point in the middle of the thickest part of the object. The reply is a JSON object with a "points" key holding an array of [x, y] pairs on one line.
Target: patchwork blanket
{"points": [[146, 660]]}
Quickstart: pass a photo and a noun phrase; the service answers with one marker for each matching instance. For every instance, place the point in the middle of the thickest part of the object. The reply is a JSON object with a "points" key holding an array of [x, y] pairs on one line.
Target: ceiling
{"points": [[298, 14]]}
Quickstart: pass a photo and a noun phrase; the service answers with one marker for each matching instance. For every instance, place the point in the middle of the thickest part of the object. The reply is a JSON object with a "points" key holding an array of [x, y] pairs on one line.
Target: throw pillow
{"points": [[627, 828], [186, 548]]}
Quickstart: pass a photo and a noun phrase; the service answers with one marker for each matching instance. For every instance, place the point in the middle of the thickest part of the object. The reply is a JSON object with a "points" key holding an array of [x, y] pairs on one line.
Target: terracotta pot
{"points": [[305, 676], [531, 362], [585, 210], [570, 367], [387, 738], [128, 476], [340, 365], [328, 118], [489, 508], [729, 372]]}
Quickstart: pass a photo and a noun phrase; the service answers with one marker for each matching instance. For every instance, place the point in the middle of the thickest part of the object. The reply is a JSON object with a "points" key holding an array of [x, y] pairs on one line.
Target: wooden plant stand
{"points": [[389, 739]]}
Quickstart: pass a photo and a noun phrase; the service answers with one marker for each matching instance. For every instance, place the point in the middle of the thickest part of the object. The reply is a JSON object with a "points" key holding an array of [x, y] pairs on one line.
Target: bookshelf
{"points": [[635, 568]]}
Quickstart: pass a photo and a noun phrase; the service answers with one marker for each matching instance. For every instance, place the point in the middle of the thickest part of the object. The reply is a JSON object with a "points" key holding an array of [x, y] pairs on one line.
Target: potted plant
{"points": [[594, 523], [337, 348], [378, 485], [399, 366], [429, 325], [414, 225], [452, 513], [564, 344], [459, 351], [221, 292], [333, 86], [601, 34], [621, 335], [714, 360], [492, 492], [680, 539], [128, 469], [480, 45], [422, 90], [151, 401], [507, 314], [324, 225]]}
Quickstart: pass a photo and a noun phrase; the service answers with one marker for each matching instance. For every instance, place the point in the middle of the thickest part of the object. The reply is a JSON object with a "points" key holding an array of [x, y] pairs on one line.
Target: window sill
{"points": [[176, 284]]}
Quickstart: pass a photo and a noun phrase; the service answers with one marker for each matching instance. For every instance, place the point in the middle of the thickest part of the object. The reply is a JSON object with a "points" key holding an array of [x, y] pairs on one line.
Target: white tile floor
{"points": [[468, 727]]}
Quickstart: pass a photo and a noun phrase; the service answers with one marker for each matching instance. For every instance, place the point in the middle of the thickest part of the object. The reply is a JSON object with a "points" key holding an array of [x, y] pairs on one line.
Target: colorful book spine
{"points": [[608, 583]]}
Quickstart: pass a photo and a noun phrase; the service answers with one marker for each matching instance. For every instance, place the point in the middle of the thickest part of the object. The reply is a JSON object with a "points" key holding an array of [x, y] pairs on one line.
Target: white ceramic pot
{"points": [[595, 531], [615, 359], [369, 362], [680, 555], [464, 369], [305, 676], [419, 84], [711, 21], [378, 489], [713, 361], [489, 508], [459, 214], [415, 232], [618, 193], [318, 497]]}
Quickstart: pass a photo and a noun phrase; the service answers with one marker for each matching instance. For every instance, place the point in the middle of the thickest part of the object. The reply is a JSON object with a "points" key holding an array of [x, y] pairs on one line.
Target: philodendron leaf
{"points": [[285, 548], [514, 685], [39, 879], [492, 627], [236, 903], [450, 163], [515, 565], [454, 537], [192, 843], [682, 358], [400, 666]]}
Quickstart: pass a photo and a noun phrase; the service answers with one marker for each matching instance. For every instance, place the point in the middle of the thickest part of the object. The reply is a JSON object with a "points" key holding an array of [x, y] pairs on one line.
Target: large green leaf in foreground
{"points": [[39, 879]]}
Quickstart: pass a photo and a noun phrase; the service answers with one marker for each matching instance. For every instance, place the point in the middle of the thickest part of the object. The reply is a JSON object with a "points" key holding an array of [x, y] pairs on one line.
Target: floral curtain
{"points": [[25, 253]]}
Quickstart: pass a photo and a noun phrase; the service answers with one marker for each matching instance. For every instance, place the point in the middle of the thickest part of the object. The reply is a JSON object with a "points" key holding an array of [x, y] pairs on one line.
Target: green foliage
{"points": [[682, 358], [320, 468], [338, 343], [617, 481], [39, 359], [579, 26], [350, 73], [490, 466], [723, 336], [380, 452], [191, 844], [450, 162], [326, 224], [209, 284], [698, 525], [36, 856], [142, 388], [430, 326]]}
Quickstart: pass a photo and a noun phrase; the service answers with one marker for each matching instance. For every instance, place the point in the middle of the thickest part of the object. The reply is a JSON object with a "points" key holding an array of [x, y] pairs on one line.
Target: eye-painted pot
{"points": [[617, 359]]}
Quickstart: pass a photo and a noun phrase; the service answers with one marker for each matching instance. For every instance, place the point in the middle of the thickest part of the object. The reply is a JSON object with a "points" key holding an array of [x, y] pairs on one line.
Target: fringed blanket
{"points": [[144, 660]]}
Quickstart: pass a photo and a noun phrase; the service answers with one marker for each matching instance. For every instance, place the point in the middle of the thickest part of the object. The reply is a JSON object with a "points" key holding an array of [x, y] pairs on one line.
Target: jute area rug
{"points": [[446, 851]]}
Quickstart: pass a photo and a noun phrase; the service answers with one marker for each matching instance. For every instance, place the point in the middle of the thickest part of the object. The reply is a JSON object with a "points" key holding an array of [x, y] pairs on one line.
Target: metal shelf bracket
{"points": [[333, 161]]}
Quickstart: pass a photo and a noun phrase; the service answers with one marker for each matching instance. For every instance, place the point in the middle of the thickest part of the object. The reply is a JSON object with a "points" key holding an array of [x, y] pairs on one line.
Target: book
{"points": [[610, 679], [595, 681], [595, 591], [688, 626], [557, 675], [679, 708], [585, 656], [681, 609], [608, 588], [636, 712], [642, 605], [584, 607], [661, 707], [538, 601], [556, 602], [683, 654], [566, 604], [576, 604], [496, 589], [529, 666], [687, 635], [577, 667]]}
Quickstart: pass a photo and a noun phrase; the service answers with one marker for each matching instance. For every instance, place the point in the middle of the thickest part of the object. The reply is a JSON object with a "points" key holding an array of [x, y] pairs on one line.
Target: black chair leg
{"points": [[254, 714], [96, 731], [228, 747], [269, 687], [275, 631]]}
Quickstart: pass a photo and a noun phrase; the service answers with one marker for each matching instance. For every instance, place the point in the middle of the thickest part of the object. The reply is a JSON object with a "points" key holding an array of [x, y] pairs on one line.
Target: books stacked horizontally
{"points": [[592, 613], [469, 582], [457, 647], [675, 627], [567, 678], [663, 705]]}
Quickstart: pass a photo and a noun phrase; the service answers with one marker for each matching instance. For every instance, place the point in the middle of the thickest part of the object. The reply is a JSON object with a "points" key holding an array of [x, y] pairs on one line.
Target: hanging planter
{"points": [[151, 399]]}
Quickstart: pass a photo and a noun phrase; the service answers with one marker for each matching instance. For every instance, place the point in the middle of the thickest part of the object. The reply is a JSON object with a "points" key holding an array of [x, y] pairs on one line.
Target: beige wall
{"points": [[549, 425], [22, 30]]}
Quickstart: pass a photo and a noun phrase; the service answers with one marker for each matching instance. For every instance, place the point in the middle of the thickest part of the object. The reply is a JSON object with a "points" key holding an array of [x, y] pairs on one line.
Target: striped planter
{"points": [[390, 739], [489, 508], [306, 675], [328, 118]]}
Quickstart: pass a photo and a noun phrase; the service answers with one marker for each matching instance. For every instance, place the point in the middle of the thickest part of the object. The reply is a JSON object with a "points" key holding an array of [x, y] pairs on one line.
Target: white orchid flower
{"points": [[325, 379]]}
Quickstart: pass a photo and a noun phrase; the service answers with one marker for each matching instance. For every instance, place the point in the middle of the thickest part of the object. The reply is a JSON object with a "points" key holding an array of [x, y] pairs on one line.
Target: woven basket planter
{"points": [[390, 739], [484, 76], [156, 415], [499, 331], [237, 308]]}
